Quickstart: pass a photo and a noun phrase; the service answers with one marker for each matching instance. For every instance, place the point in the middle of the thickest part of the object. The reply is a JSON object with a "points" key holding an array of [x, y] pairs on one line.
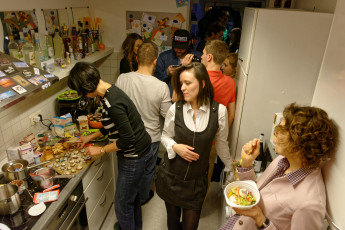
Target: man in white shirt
{"points": [[152, 99]]}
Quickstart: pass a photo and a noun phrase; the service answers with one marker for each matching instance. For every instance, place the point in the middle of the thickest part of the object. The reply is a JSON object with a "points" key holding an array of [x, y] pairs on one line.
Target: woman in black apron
{"points": [[190, 126]]}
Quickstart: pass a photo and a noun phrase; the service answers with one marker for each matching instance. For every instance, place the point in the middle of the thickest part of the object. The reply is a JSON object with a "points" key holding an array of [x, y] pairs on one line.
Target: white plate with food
{"points": [[242, 194]]}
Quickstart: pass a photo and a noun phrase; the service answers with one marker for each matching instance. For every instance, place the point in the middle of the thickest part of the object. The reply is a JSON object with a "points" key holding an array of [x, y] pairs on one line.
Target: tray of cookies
{"points": [[67, 158]]}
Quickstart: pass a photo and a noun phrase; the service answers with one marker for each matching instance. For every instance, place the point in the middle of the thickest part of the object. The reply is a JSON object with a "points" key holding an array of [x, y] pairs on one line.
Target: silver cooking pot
{"points": [[45, 176], [9, 199], [18, 169]]}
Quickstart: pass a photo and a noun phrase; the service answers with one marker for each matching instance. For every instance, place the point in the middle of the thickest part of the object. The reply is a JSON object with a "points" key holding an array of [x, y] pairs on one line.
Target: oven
{"points": [[72, 215]]}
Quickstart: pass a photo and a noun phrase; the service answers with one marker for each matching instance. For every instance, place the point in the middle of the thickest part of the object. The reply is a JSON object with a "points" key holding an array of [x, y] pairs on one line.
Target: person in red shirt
{"points": [[224, 86]]}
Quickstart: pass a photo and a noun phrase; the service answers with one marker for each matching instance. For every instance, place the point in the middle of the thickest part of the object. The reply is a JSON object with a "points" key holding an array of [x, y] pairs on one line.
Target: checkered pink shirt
{"points": [[294, 177]]}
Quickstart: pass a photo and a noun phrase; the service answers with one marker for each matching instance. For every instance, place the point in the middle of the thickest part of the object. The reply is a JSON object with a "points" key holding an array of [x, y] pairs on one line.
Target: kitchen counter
{"points": [[47, 216], [56, 206], [64, 195]]}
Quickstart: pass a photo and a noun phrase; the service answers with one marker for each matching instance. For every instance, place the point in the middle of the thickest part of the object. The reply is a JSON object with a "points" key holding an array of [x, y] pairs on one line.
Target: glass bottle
{"points": [[28, 52], [277, 3], [259, 158], [80, 51], [84, 38], [21, 44], [66, 41], [101, 44], [32, 36], [49, 49], [39, 53], [74, 39], [96, 39], [72, 55], [13, 48], [86, 30], [91, 44], [58, 44]]}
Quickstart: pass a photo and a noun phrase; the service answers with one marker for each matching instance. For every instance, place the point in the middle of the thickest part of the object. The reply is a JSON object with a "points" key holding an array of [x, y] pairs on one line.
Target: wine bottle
{"points": [[29, 53], [13, 48], [259, 158], [58, 44], [39, 52], [49, 48]]}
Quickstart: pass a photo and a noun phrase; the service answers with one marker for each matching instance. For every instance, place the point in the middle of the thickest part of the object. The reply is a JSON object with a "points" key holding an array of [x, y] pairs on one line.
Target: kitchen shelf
{"points": [[62, 73], [30, 88], [59, 73]]}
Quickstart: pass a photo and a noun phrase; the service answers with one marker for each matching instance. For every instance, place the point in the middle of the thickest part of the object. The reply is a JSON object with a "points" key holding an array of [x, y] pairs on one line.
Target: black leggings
{"points": [[190, 218]]}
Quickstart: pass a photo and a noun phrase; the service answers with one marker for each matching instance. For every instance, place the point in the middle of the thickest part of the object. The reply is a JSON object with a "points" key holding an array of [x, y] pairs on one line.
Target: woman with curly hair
{"points": [[130, 48], [292, 189]]}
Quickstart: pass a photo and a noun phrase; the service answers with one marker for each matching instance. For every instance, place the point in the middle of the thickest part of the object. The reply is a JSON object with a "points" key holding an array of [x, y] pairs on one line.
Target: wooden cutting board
{"points": [[68, 159]]}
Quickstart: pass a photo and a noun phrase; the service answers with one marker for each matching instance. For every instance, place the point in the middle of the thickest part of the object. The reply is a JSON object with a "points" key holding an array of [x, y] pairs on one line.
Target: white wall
{"points": [[15, 122], [113, 14], [330, 95], [326, 6]]}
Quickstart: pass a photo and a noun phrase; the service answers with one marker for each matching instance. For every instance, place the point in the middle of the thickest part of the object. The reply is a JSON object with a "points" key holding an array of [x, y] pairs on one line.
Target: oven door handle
{"points": [[77, 213]]}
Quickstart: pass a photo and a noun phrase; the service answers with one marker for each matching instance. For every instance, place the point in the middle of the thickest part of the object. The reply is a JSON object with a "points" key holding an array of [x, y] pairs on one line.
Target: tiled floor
{"points": [[154, 214]]}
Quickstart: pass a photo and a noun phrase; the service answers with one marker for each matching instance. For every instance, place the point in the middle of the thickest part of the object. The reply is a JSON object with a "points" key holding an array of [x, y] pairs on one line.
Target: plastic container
{"points": [[94, 121], [83, 123]]}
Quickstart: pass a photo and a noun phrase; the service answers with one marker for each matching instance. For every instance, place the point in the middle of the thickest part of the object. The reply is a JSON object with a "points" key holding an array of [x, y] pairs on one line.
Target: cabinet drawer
{"points": [[99, 213], [97, 186], [93, 170]]}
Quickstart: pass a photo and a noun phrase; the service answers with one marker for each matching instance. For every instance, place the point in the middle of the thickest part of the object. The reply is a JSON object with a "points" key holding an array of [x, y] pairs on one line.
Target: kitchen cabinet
{"points": [[102, 207], [99, 189]]}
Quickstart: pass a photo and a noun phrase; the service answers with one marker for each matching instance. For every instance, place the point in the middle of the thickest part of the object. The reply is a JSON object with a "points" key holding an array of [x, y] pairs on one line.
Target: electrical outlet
{"points": [[32, 122]]}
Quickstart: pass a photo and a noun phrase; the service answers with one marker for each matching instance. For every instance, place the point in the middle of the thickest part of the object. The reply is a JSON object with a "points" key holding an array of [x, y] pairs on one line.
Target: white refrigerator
{"points": [[280, 56]]}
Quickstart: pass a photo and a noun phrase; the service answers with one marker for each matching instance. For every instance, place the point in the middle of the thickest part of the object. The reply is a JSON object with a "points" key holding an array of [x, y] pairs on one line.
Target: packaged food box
{"points": [[13, 153]]}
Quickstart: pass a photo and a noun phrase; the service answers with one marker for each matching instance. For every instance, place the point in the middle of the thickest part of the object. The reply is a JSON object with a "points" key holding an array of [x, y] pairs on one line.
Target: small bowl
{"points": [[94, 124], [19, 184], [247, 184]]}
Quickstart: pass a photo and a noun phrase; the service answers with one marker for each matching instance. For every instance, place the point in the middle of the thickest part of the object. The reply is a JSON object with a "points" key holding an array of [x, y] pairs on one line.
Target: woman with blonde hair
{"points": [[229, 65], [130, 48]]}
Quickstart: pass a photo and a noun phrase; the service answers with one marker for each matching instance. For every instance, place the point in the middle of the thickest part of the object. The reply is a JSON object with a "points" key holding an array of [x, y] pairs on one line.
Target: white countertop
{"points": [[62, 73]]}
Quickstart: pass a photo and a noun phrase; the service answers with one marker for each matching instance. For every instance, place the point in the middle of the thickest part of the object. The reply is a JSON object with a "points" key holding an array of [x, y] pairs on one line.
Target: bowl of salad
{"points": [[242, 194]]}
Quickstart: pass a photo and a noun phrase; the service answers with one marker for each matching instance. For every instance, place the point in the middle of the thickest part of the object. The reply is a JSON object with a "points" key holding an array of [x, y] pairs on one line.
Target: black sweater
{"points": [[122, 122], [124, 66]]}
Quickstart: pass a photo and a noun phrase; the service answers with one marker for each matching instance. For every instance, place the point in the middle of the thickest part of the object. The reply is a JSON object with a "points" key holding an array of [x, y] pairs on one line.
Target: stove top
{"points": [[21, 220]]}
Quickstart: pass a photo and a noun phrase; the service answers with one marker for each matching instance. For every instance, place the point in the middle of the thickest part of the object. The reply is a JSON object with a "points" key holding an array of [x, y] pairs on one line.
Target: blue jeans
{"points": [[145, 183], [127, 198]]}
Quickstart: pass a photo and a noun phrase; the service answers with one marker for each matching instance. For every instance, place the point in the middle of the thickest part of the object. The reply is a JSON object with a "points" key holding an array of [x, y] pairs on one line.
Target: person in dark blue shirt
{"points": [[168, 60]]}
